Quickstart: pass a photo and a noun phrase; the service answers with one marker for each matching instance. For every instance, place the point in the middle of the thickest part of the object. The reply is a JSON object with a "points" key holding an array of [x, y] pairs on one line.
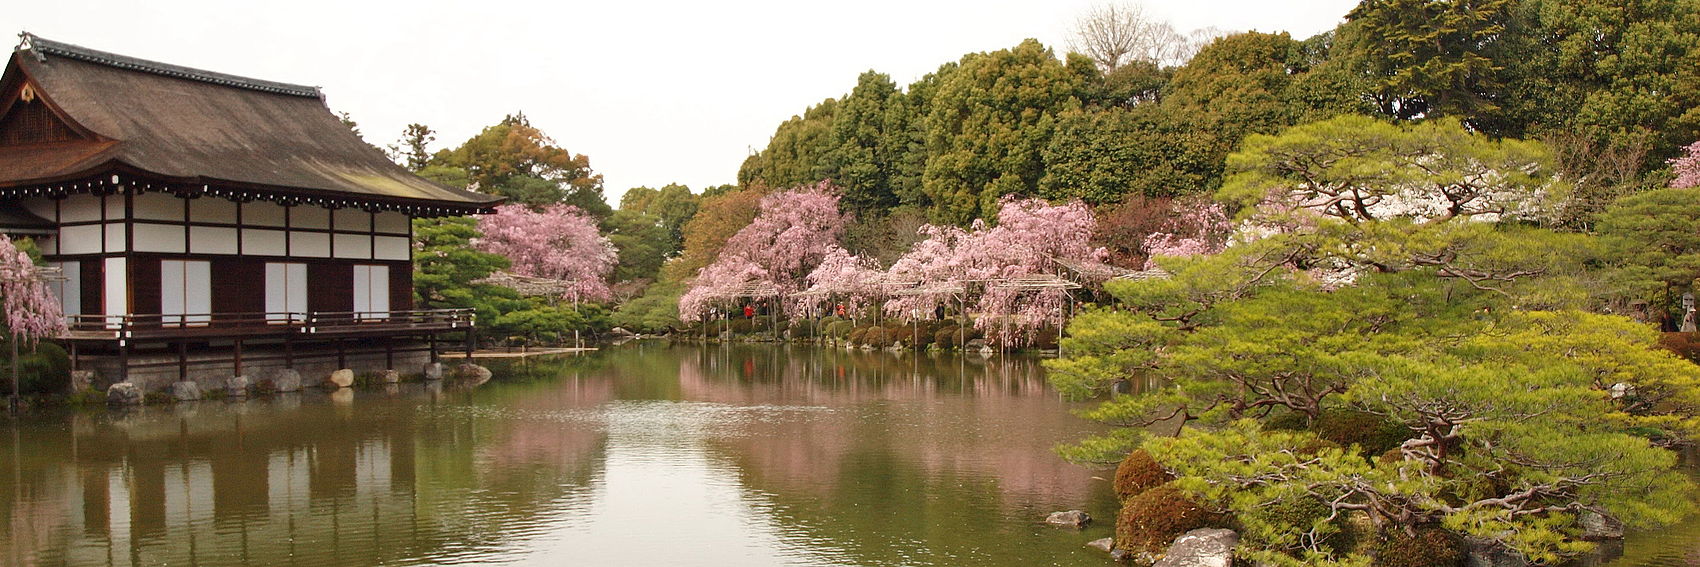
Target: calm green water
{"points": [[638, 455]]}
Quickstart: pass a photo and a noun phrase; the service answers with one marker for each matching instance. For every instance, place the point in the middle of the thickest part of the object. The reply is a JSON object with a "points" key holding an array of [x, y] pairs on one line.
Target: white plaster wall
{"points": [[115, 238], [310, 244], [307, 216], [212, 210], [80, 208], [393, 248], [158, 206], [212, 240], [358, 246], [114, 207], [393, 222], [83, 239], [353, 220], [158, 238], [258, 242], [262, 213]]}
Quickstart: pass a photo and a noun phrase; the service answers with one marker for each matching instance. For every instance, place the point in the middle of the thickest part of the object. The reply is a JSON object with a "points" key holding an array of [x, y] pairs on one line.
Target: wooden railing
{"points": [[276, 324]]}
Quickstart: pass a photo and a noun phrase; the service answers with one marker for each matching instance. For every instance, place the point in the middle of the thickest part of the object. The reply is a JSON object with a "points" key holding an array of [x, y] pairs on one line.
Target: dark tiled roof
{"points": [[197, 127], [16, 220], [44, 47]]}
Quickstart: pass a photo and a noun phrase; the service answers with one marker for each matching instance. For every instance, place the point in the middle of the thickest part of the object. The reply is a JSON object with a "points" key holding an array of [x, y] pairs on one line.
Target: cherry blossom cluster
{"points": [[557, 242], [32, 311]]}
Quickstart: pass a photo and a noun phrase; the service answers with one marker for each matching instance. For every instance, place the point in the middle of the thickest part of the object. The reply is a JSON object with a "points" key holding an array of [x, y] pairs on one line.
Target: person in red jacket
{"points": [[749, 311]]}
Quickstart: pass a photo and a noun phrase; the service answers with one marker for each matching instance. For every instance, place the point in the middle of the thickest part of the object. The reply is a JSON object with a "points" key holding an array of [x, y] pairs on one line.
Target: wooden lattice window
{"points": [[30, 122]]}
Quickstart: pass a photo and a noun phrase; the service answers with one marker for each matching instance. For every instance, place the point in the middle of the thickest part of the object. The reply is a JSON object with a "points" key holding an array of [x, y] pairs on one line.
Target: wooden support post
{"points": [[123, 360], [288, 353], [471, 343], [236, 359], [431, 342], [341, 355], [74, 365], [182, 361], [15, 389], [389, 354]]}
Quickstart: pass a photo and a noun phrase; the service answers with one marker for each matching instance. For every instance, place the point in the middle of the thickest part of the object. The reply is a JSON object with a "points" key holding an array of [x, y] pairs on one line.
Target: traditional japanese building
{"points": [[194, 214]]}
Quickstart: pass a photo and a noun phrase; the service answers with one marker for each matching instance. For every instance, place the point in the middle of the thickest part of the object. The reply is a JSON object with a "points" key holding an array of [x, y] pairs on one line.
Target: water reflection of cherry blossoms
{"points": [[755, 455]]}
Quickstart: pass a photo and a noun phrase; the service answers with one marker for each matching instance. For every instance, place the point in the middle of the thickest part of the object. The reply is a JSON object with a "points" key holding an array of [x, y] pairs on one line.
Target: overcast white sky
{"points": [[653, 92]]}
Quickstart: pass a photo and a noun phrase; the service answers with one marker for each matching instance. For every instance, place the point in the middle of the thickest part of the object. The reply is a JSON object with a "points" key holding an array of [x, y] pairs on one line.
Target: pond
{"points": [[638, 455], [642, 454]]}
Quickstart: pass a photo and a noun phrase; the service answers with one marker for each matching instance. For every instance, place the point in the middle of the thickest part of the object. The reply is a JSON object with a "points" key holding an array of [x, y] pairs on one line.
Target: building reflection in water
{"points": [[734, 455]]}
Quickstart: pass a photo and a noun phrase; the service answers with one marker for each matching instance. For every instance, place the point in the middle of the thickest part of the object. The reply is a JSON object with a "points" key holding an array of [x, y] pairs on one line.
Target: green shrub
{"points": [[857, 335], [45, 371], [900, 335], [877, 337], [1139, 473], [1431, 547], [840, 329], [803, 328], [1372, 433], [1301, 511], [1153, 519], [945, 338], [741, 326]]}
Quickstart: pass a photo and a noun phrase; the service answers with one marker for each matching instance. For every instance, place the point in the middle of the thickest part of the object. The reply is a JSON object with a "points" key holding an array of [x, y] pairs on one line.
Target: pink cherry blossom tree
{"points": [[557, 241], [1686, 167], [32, 311], [793, 232], [1032, 239], [1196, 227], [845, 277]]}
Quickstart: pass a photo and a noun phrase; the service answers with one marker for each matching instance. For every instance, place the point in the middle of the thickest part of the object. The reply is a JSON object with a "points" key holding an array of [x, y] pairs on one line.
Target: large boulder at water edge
{"points": [[389, 377], [236, 387], [185, 391], [1071, 519], [124, 394], [340, 379], [1598, 527], [1483, 553], [433, 371], [472, 373], [1104, 544], [281, 380], [1207, 547]]}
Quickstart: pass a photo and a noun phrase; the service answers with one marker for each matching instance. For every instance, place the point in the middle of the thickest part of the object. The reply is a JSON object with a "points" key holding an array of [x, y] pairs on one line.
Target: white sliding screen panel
{"points": [[286, 291], [185, 292], [372, 292]]}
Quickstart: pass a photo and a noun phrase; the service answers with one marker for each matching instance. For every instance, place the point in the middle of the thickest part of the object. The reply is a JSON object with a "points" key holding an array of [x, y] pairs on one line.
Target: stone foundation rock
{"points": [[236, 387], [1596, 527], [185, 391], [281, 380], [433, 371], [1102, 544], [1207, 547], [124, 394], [389, 377], [1076, 519], [340, 379], [1484, 553], [83, 380], [472, 373]]}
